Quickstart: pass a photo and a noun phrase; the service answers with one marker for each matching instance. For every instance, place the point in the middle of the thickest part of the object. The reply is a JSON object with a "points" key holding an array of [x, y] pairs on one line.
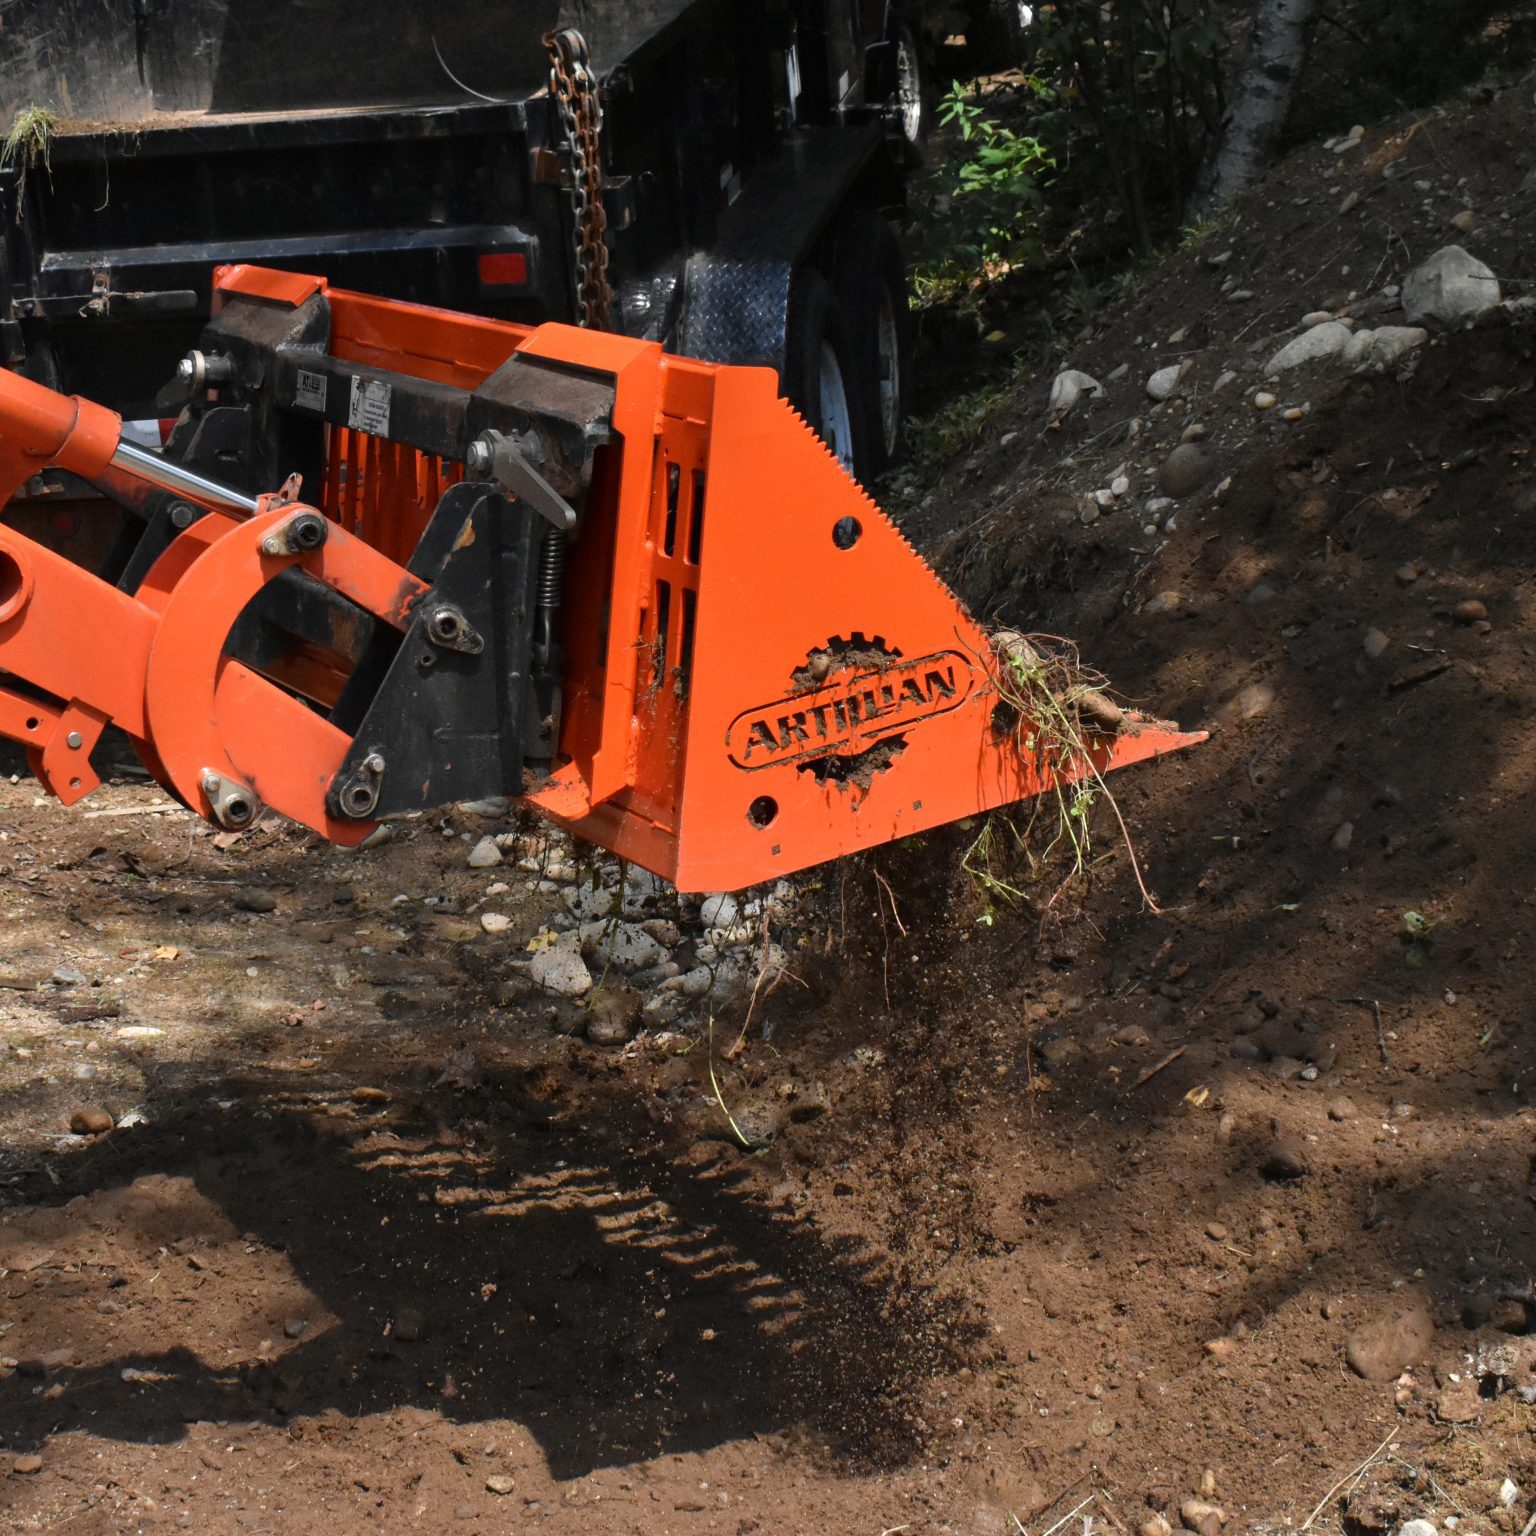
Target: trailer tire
{"points": [[912, 92], [870, 281], [821, 371]]}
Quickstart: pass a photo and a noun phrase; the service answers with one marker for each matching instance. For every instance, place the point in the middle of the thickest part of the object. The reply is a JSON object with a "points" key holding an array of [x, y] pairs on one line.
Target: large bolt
{"points": [[306, 531], [477, 457], [186, 369]]}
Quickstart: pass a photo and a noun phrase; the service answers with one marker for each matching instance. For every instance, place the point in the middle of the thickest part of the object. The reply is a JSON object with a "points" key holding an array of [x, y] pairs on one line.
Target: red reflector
{"points": [[505, 269]]}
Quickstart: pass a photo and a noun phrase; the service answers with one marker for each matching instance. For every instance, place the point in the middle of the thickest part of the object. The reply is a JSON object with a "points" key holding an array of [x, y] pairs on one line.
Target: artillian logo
{"points": [[846, 714]]}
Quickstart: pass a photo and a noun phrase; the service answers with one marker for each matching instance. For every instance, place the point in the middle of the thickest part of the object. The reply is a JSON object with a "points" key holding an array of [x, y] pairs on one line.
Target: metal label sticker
{"points": [[309, 391], [368, 410], [849, 712]]}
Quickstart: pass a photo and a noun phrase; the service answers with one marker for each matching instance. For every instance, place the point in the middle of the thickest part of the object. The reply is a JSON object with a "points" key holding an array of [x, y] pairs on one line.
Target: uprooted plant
{"points": [[1058, 713], [28, 143]]}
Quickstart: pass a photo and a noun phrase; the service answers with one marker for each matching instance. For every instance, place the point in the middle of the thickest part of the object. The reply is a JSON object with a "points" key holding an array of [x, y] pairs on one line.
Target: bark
{"points": [[1262, 98]]}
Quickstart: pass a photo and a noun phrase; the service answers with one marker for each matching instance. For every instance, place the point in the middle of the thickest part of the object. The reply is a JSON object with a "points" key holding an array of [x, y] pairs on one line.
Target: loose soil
{"points": [[1077, 1205]]}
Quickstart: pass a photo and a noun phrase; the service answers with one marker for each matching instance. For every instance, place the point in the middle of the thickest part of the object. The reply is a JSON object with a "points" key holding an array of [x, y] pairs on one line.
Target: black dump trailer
{"points": [[741, 155]]}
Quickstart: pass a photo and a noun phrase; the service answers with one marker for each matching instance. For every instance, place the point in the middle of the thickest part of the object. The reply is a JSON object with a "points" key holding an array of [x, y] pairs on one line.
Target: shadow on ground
{"points": [[487, 1262]]}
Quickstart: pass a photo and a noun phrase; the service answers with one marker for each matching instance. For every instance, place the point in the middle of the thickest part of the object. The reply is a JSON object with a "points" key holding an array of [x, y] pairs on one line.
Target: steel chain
{"points": [[575, 91]]}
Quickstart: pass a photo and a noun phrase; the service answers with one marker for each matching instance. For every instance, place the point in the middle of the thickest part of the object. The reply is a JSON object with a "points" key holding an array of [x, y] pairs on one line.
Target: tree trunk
{"points": [[1263, 98]]}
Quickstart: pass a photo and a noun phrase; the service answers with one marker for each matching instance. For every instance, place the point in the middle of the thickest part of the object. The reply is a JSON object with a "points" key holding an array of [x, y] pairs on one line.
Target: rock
{"points": [[1417, 1528], [561, 970], [692, 983], [612, 1015], [410, 1325], [759, 1124], [1216, 1231], [1285, 1159], [1359, 349], [1250, 702], [1156, 1526], [485, 854], [591, 900], [1385, 346], [295, 1327], [1185, 470], [1163, 602], [495, 922], [1203, 1517], [1264, 401], [1343, 836], [1165, 382], [68, 976], [1375, 643], [1349, 203], [1316, 317], [625, 946], [1312, 346], [1406, 575], [1221, 1350], [663, 930], [89, 1120], [27, 1466], [492, 806], [1342, 1109], [500, 1484], [254, 900], [1465, 221], [1450, 288], [1119, 485], [1459, 1402], [1469, 612], [1068, 388], [719, 911], [1387, 1344]]}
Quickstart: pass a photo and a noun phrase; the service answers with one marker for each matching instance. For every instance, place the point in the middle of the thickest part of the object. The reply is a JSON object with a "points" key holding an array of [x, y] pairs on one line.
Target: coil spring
{"points": [[551, 568]]}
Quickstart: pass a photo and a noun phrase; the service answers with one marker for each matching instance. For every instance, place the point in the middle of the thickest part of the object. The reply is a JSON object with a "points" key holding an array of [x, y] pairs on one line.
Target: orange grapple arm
{"points": [[633, 588]]}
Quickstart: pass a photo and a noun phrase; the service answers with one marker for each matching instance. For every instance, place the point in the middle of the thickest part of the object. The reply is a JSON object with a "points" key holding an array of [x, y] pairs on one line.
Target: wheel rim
{"points": [[909, 88], [888, 363], [835, 417]]}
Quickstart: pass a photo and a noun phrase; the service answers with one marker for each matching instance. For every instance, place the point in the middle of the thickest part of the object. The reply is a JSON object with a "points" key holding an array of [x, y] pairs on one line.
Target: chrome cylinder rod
{"points": [[169, 476]]}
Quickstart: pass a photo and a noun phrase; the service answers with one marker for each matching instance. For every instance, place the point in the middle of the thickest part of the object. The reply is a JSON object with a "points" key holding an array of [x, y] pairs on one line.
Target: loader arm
{"points": [[395, 557]]}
